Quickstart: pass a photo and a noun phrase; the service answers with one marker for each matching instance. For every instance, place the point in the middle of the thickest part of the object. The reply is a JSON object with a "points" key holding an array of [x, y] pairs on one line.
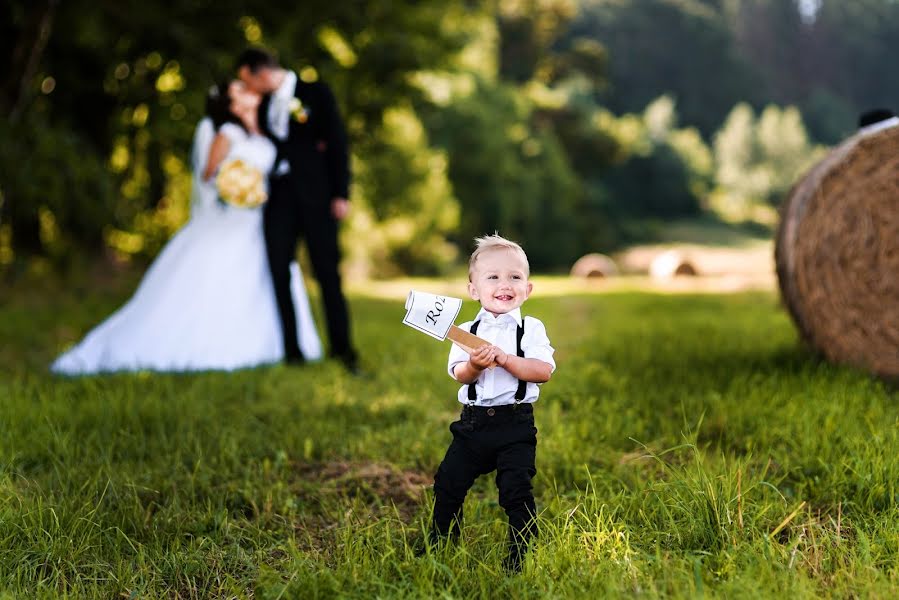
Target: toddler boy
{"points": [[495, 430]]}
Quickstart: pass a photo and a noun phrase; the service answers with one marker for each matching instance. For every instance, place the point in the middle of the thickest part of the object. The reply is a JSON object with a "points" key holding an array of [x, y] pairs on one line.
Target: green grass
{"points": [[687, 448], [710, 231]]}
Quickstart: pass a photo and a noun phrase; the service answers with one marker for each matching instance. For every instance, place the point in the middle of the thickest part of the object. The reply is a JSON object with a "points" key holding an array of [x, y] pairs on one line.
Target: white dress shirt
{"points": [[279, 113], [497, 386]]}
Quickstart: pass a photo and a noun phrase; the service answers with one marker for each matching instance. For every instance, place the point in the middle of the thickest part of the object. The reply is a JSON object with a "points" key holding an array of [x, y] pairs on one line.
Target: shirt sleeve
{"points": [[456, 354], [202, 141], [203, 193], [233, 132], [536, 344]]}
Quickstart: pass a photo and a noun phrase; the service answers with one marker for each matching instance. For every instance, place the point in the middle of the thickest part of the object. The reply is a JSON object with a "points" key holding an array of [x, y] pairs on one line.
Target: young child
{"points": [[496, 428]]}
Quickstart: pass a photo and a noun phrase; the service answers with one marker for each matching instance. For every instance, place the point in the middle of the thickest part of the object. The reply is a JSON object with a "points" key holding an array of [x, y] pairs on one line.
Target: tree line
{"points": [[572, 125]]}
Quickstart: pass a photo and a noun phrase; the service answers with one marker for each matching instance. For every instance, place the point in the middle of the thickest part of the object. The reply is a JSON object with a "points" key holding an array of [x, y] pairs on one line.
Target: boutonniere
{"points": [[299, 112]]}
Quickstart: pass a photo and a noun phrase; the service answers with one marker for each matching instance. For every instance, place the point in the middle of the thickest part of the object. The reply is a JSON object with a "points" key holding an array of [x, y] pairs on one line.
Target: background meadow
{"points": [[687, 446]]}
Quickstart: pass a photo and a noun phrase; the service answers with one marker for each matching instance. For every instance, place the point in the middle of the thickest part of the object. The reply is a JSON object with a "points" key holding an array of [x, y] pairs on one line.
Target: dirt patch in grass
{"points": [[372, 482]]}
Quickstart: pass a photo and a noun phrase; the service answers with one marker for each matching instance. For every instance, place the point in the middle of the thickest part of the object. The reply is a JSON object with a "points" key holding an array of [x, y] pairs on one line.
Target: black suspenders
{"points": [[522, 385]]}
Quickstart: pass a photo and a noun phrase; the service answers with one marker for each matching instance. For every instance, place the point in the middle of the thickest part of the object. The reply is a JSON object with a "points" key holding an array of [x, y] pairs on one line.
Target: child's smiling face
{"points": [[500, 281]]}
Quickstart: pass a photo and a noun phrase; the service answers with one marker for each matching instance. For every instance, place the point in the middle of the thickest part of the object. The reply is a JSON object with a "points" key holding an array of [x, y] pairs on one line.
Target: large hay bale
{"points": [[594, 265], [837, 253], [671, 263]]}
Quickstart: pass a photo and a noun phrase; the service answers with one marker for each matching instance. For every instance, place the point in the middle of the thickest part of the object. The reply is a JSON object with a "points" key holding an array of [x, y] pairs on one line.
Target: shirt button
{"points": [[490, 412]]}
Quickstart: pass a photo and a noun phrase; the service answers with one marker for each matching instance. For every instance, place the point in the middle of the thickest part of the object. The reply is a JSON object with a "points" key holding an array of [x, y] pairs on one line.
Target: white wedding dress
{"points": [[207, 301]]}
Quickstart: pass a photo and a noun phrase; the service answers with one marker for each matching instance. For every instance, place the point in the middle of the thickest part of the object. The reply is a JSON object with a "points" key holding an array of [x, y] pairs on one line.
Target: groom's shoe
{"points": [[350, 362], [295, 359]]}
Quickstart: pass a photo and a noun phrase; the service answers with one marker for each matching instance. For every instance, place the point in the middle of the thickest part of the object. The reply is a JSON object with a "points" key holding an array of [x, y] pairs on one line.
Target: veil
{"points": [[203, 193]]}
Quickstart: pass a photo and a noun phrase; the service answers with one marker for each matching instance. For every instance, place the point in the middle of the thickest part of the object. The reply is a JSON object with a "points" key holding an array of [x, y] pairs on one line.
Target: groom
{"points": [[308, 192]]}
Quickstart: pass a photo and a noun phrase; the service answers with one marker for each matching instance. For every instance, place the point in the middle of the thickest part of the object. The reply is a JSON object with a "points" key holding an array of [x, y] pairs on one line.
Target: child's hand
{"points": [[500, 356], [483, 357]]}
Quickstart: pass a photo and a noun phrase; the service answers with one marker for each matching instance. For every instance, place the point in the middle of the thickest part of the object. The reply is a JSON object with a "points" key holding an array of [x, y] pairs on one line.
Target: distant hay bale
{"points": [[594, 265], [837, 253], [671, 264]]}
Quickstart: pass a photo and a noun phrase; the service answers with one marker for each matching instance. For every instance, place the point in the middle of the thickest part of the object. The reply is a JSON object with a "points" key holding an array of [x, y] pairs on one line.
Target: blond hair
{"points": [[489, 243]]}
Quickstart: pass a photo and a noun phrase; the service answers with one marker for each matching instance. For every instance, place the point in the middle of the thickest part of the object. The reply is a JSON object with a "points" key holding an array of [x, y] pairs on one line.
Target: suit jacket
{"points": [[316, 146]]}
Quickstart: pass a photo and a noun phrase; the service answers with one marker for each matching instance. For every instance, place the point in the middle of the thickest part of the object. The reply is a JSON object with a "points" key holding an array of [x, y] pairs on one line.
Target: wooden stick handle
{"points": [[467, 341]]}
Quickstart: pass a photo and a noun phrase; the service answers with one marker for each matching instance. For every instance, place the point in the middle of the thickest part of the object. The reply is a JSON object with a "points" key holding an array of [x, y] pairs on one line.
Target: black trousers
{"points": [[503, 439], [286, 219]]}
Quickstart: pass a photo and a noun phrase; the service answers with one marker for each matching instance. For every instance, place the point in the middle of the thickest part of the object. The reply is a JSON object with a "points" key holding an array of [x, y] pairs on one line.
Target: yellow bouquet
{"points": [[241, 184]]}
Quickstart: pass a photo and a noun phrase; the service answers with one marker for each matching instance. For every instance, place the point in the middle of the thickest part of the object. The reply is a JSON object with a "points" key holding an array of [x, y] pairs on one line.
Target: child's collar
{"points": [[486, 315]]}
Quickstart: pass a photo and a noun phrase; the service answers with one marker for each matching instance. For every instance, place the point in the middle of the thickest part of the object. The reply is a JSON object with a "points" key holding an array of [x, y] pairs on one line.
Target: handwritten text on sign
{"points": [[431, 314]]}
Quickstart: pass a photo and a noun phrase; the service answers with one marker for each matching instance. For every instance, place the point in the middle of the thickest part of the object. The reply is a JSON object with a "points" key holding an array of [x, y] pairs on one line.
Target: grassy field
{"points": [[687, 448]]}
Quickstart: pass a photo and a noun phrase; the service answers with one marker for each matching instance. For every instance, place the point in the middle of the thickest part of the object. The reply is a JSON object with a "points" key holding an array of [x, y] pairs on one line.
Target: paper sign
{"points": [[431, 314]]}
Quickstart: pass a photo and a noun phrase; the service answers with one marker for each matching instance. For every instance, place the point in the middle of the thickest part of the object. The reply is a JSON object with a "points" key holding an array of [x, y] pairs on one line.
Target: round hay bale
{"points": [[671, 263], [594, 265], [837, 253]]}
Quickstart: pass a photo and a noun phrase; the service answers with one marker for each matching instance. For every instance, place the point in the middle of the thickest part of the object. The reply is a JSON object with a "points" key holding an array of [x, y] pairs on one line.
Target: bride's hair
{"points": [[255, 59], [218, 105]]}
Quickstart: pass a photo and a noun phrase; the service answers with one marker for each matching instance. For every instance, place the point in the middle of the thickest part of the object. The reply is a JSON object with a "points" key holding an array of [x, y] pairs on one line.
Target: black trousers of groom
{"points": [[286, 219]]}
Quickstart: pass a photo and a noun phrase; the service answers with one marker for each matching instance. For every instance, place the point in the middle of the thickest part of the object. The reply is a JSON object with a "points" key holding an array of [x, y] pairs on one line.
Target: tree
{"points": [[683, 48], [402, 216], [758, 160], [122, 85], [509, 174], [833, 62], [665, 171]]}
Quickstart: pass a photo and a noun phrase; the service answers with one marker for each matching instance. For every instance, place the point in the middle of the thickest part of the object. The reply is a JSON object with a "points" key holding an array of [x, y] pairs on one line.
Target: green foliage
{"points": [[684, 48], [712, 54], [832, 62], [553, 121], [124, 84], [666, 171], [55, 188], [404, 207], [509, 174], [678, 440], [829, 118], [758, 160], [529, 35]]}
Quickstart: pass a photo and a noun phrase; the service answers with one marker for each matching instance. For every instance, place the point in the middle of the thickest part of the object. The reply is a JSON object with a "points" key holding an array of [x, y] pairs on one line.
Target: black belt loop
{"points": [[472, 392]]}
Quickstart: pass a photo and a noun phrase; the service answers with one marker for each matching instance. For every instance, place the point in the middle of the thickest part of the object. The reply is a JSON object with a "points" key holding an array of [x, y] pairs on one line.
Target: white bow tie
{"points": [[496, 322]]}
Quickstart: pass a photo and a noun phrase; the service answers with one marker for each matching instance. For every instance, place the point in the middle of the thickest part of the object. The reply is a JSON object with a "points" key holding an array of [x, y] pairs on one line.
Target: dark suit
{"points": [[299, 205]]}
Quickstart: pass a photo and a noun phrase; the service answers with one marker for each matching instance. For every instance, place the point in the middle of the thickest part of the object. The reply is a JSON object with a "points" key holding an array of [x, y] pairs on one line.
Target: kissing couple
{"points": [[226, 291]]}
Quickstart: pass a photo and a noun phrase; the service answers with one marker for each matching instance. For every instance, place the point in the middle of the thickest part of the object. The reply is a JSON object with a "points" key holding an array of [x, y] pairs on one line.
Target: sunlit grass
{"points": [[687, 447]]}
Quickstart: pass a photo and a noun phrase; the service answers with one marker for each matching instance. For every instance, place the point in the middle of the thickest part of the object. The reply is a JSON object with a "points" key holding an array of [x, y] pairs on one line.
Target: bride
{"points": [[207, 301]]}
